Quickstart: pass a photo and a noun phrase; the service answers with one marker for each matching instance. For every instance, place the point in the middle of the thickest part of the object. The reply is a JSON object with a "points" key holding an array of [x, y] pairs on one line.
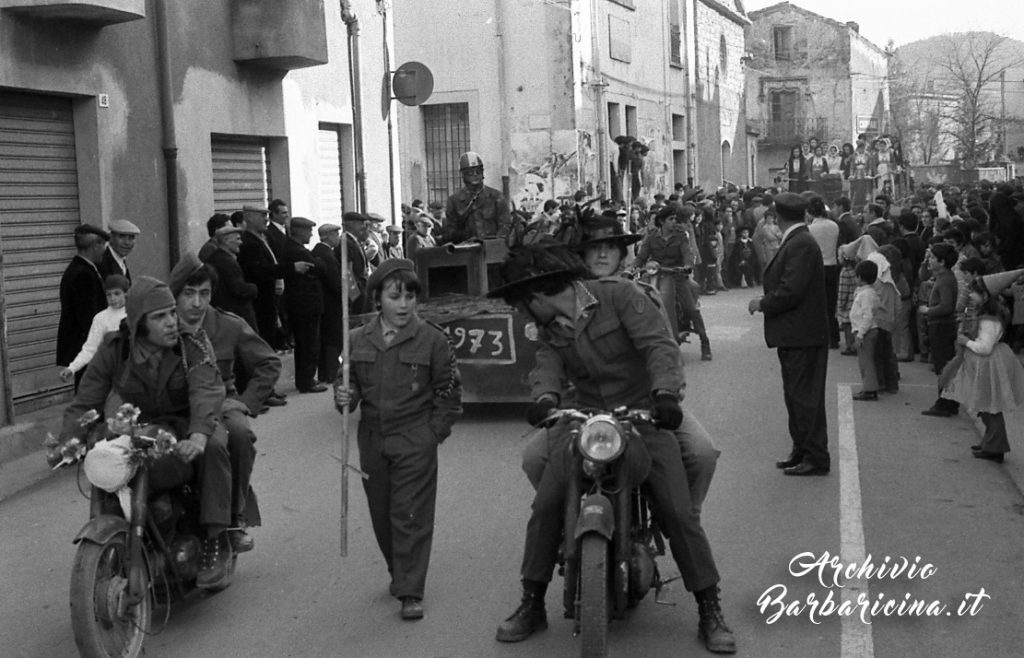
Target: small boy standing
{"points": [[115, 287], [864, 325]]}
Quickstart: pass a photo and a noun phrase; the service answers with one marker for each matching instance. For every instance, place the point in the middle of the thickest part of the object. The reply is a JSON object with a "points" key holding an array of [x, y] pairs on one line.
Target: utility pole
{"points": [[1002, 112]]}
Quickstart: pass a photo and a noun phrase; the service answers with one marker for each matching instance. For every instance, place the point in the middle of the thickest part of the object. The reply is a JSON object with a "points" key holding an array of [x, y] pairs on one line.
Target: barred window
{"points": [[446, 131]]}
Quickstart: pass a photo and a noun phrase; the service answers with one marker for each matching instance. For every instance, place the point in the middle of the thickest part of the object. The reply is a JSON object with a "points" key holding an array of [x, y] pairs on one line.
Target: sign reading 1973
{"points": [[485, 338]]}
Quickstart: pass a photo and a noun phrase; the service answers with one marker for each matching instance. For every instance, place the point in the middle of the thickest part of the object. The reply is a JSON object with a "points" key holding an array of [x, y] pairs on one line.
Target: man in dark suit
{"points": [[232, 293], [122, 240], [277, 238], [330, 321], [81, 294], [796, 323], [305, 302], [356, 230]]}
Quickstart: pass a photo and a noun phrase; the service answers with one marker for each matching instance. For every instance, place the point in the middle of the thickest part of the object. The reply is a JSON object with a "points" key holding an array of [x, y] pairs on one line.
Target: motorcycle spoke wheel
{"points": [[104, 625], [593, 594]]}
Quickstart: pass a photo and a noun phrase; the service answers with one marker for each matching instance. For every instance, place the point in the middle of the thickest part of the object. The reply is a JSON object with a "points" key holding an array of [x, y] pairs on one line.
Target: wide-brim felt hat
{"points": [[526, 265], [624, 239]]}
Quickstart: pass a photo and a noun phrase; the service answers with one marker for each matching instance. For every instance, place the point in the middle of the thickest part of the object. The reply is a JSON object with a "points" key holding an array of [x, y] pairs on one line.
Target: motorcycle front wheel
{"points": [[103, 625], [593, 593]]}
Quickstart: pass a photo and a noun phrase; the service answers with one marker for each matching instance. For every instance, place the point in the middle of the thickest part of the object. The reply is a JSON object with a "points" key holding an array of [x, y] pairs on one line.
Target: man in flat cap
{"points": [[304, 302], [330, 322], [81, 294], [232, 293], [356, 229], [122, 240], [393, 247], [796, 323]]}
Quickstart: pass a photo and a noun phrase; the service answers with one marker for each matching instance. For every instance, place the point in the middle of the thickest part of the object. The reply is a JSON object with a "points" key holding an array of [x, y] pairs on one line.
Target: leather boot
{"points": [[712, 628], [528, 618], [705, 349]]}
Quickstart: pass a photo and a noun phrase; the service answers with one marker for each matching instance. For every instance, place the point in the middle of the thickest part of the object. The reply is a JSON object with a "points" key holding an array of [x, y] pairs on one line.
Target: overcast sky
{"points": [[909, 20]]}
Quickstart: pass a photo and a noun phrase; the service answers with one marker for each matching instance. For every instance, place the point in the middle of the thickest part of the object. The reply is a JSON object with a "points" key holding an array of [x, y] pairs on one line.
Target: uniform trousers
{"points": [[700, 457], [306, 336], [242, 453], [669, 497], [803, 387], [215, 480], [401, 492]]}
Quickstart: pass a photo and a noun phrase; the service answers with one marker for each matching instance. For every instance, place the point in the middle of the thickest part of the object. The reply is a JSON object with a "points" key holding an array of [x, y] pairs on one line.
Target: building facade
{"points": [[162, 113], [554, 96], [811, 77]]}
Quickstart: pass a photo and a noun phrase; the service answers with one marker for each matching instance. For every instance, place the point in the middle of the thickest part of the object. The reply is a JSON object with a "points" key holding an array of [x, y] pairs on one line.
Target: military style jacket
{"points": [[621, 350], [476, 215], [412, 380], [185, 391]]}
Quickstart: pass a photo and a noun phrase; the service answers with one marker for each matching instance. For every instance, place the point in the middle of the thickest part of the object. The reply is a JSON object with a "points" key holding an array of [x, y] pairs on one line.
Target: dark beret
{"points": [[386, 269], [790, 207]]}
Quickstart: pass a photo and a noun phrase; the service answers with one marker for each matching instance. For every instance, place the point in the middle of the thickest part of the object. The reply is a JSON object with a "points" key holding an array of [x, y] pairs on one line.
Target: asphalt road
{"points": [[901, 485]]}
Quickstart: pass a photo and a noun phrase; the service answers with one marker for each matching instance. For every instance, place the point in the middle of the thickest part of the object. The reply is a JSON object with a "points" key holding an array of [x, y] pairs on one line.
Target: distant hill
{"points": [[920, 60]]}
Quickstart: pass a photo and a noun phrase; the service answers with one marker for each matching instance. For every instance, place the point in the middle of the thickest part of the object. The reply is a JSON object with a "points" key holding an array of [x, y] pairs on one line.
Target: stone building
{"points": [[542, 90], [811, 77], [163, 112]]}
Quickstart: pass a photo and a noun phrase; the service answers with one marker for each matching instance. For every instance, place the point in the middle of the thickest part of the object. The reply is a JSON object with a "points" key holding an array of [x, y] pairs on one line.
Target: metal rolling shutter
{"points": [[38, 214], [241, 174], [330, 179]]}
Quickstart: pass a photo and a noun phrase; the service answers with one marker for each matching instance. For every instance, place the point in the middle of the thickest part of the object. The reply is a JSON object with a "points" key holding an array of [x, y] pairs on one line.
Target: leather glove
{"points": [[666, 412], [539, 410]]}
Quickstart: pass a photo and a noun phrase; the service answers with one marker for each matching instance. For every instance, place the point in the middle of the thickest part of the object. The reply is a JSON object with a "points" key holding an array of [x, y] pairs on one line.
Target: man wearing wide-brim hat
{"points": [[605, 245], [610, 340], [122, 240]]}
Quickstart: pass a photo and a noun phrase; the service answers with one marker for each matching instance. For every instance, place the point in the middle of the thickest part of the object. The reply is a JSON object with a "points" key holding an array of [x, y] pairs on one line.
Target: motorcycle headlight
{"points": [[601, 439]]}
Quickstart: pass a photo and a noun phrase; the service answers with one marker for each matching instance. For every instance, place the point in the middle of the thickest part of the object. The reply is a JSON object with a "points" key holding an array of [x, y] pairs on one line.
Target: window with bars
{"points": [[446, 135]]}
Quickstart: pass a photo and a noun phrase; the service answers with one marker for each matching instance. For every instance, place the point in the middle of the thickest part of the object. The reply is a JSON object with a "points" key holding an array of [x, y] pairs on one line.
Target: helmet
{"points": [[469, 159]]}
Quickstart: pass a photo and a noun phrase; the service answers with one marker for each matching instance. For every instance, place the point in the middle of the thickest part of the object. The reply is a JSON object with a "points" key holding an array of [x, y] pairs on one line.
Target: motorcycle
{"points": [[611, 539], [140, 549], [663, 279]]}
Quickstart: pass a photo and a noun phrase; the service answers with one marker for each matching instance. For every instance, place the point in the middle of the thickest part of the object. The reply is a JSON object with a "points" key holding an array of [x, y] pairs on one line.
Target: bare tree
{"points": [[971, 63], [916, 111]]}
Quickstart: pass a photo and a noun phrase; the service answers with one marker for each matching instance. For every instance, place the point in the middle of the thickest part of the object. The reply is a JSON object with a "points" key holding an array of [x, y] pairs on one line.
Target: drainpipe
{"points": [[598, 84], [504, 104], [170, 144], [352, 23]]}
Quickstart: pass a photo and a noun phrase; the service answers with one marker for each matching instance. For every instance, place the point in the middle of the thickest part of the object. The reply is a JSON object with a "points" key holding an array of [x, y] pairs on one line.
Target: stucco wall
{"points": [[720, 91]]}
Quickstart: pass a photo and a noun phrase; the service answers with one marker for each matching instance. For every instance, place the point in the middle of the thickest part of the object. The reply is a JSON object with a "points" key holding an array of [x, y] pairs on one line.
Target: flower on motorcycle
{"points": [[600, 439], [70, 451], [652, 268]]}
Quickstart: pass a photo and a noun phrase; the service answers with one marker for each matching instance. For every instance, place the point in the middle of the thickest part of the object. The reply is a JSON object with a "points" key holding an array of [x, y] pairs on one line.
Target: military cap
{"points": [[386, 269], [257, 209], [324, 229], [123, 226], [790, 207], [301, 222], [89, 229]]}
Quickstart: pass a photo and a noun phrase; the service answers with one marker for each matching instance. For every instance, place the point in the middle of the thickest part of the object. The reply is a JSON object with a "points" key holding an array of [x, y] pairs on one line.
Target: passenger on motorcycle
{"points": [[235, 343], [611, 341], [173, 380], [675, 245]]}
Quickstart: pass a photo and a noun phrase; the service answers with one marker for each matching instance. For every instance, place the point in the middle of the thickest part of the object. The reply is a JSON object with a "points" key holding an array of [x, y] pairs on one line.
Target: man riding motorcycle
{"points": [[611, 341], [675, 245], [173, 380], [234, 342]]}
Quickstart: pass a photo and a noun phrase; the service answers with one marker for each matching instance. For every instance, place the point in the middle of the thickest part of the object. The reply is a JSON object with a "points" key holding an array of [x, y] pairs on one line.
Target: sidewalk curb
{"points": [[22, 456]]}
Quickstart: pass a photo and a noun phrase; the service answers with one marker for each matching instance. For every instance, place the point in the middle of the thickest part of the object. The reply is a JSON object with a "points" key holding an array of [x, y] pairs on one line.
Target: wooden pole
{"points": [[346, 276]]}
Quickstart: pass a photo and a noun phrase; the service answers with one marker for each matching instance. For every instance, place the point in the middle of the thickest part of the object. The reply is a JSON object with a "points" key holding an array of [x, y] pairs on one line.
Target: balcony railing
{"points": [[792, 131]]}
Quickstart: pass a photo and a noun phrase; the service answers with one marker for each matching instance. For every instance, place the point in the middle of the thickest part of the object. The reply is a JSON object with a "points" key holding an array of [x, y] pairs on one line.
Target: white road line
{"points": [[856, 640]]}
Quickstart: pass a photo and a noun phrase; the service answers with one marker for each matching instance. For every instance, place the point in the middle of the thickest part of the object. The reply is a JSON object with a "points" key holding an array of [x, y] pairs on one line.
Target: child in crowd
{"points": [[404, 375], [849, 255], [863, 325], [885, 318], [985, 242], [942, 320], [1015, 293], [109, 319], [991, 379], [744, 260]]}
